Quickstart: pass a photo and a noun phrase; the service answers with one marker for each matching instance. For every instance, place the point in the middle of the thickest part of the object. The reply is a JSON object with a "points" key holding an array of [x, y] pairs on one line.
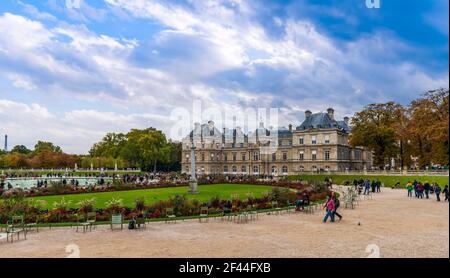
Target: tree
{"points": [[110, 146], [21, 149], [46, 146], [147, 147], [429, 120], [375, 128]]}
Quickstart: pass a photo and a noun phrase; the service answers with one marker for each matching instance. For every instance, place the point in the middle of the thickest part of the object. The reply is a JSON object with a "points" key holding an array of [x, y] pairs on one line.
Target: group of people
{"points": [[422, 190], [368, 186]]}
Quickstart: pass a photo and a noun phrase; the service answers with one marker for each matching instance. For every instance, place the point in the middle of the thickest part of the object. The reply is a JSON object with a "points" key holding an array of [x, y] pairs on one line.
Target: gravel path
{"points": [[395, 225]]}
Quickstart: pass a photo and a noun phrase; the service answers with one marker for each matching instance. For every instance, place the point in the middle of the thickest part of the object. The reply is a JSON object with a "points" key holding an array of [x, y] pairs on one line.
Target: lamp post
{"points": [[193, 186]]}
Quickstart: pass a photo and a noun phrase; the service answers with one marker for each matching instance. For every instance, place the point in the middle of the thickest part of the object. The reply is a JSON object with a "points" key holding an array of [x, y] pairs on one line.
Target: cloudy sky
{"points": [[71, 73]]}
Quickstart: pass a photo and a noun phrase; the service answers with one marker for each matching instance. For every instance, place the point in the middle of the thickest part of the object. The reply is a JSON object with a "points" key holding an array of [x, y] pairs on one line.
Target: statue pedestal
{"points": [[193, 187]]}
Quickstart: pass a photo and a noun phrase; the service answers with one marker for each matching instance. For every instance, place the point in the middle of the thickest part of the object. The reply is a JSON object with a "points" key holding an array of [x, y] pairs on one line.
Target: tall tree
{"points": [[375, 128]]}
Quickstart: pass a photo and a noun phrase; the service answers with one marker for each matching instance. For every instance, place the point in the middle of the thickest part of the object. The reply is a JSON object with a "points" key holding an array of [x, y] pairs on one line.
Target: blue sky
{"points": [[71, 74]]}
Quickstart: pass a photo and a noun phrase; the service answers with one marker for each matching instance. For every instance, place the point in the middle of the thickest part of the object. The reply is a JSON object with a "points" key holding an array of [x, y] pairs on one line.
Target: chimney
{"points": [[290, 127], [6, 142], [330, 113], [307, 114], [346, 120]]}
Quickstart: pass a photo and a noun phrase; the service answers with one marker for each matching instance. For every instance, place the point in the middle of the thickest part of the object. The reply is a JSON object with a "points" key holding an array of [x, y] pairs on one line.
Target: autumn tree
{"points": [[375, 128]]}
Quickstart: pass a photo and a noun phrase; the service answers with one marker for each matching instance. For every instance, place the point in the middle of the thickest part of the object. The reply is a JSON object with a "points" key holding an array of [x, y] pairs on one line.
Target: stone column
{"points": [[193, 180]]}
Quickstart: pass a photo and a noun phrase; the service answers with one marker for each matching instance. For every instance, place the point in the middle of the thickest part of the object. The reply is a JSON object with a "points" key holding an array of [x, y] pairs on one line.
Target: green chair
{"points": [[252, 212], [91, 217], [14, 226], [276, 208], [170, 216], [81, 222], [203, 214], [141, 221], [33, 224], [116, 219]]}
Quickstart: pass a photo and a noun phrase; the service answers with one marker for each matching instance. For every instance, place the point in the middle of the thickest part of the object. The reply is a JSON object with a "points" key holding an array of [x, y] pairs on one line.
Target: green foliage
{"points": [[115, 205], [21, 149], [61, 205], [87, 205]]}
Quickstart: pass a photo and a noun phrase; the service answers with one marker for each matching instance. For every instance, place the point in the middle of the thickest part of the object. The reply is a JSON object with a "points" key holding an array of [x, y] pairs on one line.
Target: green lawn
{"points": [[388, 180], [224, 191]]}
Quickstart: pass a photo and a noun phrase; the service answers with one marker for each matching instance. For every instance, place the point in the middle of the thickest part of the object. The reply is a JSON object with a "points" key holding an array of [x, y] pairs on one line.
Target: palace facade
{"points": [[320, 143]]}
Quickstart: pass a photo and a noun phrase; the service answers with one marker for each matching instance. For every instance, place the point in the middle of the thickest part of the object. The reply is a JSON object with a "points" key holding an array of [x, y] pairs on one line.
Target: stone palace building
{"points": [[320, 143]]}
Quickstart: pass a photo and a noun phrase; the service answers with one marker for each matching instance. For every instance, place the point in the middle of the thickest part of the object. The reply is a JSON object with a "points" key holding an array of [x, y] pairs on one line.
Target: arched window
{"points": [[274, 169], [234, 169], [225, 169], [301, 168], [243, 169], [284, 169]]}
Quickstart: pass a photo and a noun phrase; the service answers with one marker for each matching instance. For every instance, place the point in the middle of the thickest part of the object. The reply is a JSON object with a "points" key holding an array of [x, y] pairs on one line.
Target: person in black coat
{"points": [[426, 188]]}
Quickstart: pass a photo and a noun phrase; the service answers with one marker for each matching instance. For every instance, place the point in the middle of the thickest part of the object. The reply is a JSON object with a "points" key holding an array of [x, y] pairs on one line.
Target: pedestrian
{"points": [[337, 203], [378, 183], [446, 193], [367, 188], [329, 206], [409, 187], [373, 185], [420, 190], [437, 191], [426, 188], [415, 189]]}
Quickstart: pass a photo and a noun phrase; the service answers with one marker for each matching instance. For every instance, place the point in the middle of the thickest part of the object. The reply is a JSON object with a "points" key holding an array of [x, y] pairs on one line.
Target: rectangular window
{"points": [[274, 157], [243, 157], [313, 139], [326, 139], [234, 157], [255, 156], [284, 156], [301, 155], [314, 155], [327, 155], [301, 140], [225, 157]]}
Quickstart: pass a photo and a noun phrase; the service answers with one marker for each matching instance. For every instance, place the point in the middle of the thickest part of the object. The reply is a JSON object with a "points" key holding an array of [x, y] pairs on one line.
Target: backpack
{"points": [[131, 224], [337, 203]]}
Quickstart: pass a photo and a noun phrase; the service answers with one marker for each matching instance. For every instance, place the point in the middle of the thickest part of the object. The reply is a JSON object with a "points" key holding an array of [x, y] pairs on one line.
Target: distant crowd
{"points": [[426, 189]]}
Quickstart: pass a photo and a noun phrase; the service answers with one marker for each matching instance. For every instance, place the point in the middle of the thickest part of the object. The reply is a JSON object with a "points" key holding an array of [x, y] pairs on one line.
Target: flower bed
{"points": [[17, 204]]}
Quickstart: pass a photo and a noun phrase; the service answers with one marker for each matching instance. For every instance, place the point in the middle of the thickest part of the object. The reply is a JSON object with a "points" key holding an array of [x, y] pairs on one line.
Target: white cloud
{"points": [[214, 51]]}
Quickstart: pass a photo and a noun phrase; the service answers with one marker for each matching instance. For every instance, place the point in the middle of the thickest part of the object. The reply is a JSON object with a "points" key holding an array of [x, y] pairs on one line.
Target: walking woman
{"points": [[337, 203], [329, 206]]}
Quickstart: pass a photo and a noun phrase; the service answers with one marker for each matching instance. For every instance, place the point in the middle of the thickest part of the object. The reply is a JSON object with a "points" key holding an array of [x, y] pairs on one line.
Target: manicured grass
{"points": [[206, 192], [388, 180]]}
